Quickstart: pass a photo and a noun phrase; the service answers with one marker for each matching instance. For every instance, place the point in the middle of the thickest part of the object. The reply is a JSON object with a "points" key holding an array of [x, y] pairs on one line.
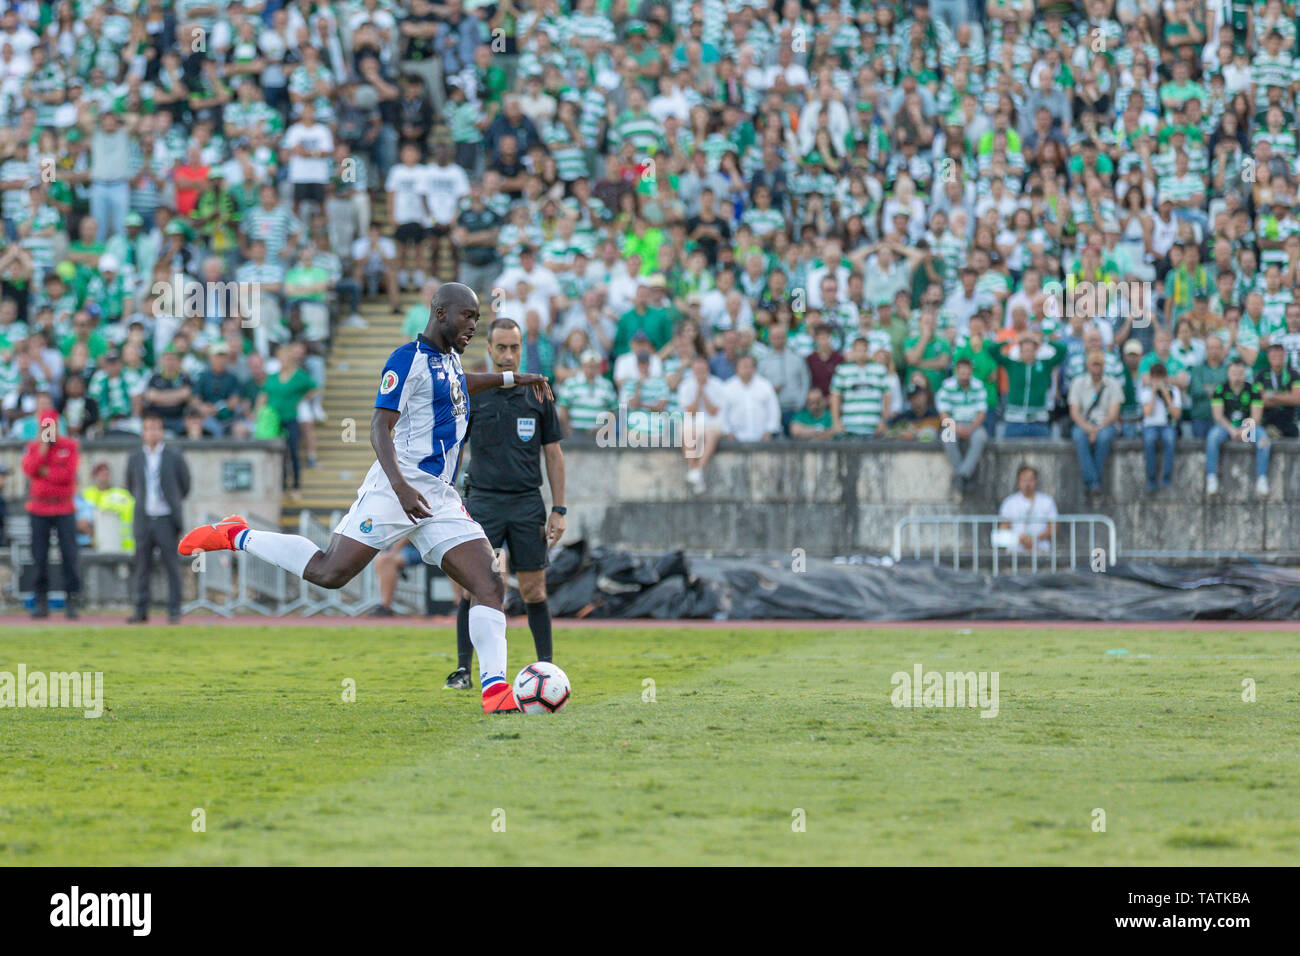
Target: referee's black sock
{"points": [[464, 647], [539, 622]]}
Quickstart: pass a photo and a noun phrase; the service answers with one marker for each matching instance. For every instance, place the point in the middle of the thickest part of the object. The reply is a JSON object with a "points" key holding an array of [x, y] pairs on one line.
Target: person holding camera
{"points": [[1162, 408]]}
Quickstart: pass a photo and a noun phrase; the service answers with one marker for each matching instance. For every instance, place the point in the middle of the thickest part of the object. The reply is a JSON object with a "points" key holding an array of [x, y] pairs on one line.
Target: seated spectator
{"points": [[814, 420], [168, 393], [1238, 408], [751, 410], [1130, 412], [1094, 400], [860, 394], [218, 397], [389, 566], [963, 401], [647, 402], [1162, 406], [586, 400], [824, 359], [919, 420], [1205, 378], [77, 409], [1029, 377], [1281, 386], [1029, 515], [786, 371], [627, 365], [374, 266], [703, 400]]}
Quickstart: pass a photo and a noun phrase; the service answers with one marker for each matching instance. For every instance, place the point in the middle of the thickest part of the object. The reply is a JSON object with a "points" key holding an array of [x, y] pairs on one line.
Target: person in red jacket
{"points": [[50, 463]]}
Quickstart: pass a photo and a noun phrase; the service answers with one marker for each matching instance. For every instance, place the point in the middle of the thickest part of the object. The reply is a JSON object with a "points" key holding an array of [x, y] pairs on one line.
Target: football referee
{"points": [[510, 431]]}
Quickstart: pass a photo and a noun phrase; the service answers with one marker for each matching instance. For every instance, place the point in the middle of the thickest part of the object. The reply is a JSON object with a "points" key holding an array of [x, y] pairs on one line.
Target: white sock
{"points": [[487, 632], [289, 551]]}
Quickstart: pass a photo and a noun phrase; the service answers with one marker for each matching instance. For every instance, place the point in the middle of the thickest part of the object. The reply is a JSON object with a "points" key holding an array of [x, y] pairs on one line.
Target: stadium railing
{"points": [[975, 542]]}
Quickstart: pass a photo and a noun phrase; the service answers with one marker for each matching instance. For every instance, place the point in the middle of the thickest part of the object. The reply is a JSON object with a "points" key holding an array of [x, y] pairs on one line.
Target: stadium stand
{"points": [[857, 194]]}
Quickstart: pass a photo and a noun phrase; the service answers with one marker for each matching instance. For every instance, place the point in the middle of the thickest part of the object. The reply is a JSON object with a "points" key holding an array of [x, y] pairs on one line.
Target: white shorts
{"points": [[376, 518]]}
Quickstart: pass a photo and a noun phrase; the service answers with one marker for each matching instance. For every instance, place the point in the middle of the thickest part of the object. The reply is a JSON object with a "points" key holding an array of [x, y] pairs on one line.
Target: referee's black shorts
{"points": [[517, 521]]}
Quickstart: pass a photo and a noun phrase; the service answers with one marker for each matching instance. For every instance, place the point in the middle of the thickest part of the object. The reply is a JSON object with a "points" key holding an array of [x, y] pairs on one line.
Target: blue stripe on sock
{"points": [[239, 539], [487, 682]]}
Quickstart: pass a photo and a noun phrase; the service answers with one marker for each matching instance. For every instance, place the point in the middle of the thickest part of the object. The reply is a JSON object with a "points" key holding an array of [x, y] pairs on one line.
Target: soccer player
{"points": [[421, 414], [510, 434]]}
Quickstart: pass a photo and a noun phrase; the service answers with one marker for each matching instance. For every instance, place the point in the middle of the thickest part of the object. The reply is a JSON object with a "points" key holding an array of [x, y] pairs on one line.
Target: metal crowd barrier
{"points": [[972, 542]]}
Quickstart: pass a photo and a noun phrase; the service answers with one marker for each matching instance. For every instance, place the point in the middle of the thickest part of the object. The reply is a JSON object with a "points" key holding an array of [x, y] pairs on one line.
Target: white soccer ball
{"points": [[541, 688]]}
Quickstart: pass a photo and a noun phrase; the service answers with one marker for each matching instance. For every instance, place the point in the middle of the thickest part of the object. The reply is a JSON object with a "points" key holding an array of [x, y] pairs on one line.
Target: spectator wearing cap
{"points": [[50, 464], [1029, 378], [585, 399], [1094, 401], [1130, 413], [219, 396], [158, 481], [116, 502], [1281, 389], [919, 420]]}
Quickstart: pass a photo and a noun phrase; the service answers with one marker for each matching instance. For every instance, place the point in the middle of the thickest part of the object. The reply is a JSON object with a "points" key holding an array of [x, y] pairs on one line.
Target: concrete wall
{"points": [[844, 497], [206, 460]]}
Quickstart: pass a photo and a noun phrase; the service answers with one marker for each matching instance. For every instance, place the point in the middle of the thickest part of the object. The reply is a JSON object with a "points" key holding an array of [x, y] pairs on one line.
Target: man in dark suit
{"points": [[159, 480]]}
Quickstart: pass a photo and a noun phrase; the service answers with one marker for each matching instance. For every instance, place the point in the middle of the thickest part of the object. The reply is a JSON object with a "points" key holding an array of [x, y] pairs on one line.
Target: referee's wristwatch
{"points": [[560, 511]]}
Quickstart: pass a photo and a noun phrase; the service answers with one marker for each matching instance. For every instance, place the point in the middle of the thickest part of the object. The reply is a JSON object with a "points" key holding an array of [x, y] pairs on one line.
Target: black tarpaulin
{"points": [[605, 583]]}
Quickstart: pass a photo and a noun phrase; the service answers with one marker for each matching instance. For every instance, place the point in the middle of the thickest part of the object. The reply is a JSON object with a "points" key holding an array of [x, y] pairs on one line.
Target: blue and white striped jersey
{"points": [[427, 388]]}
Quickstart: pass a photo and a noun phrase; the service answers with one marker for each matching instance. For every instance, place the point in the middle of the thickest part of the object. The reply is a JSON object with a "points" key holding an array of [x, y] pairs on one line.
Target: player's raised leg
{"points": [[332, 568], [470, 565]]}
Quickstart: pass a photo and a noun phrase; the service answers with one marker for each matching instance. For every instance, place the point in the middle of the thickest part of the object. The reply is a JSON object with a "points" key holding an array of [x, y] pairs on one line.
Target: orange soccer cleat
{"points": [[213, 537], [500, 699]]}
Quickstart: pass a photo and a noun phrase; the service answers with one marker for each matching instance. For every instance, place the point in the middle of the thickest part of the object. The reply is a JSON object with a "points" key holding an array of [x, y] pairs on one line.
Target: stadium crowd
{"points": [[938, 220]]}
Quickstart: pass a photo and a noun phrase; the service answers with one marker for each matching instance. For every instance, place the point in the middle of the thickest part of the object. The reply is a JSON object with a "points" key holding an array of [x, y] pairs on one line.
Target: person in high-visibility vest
{"points": [[105, 497]]}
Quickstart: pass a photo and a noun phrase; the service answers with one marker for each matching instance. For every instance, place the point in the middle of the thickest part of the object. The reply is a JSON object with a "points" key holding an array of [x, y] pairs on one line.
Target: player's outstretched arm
{"points": [[381, 440], [482, 381]]}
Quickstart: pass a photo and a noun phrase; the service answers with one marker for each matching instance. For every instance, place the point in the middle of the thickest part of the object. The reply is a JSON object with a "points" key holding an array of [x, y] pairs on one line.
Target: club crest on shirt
{"points": [[366, 526], [388, 382], [457, 394], [525, 428]]}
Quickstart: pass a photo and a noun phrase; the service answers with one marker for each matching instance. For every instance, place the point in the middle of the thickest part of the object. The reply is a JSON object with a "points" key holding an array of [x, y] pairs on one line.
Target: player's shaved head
{"points": [[453, 317]]}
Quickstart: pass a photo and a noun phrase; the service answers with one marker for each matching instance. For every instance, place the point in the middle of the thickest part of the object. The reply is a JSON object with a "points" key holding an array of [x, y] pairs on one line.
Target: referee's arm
{"points": [[552, 432]]}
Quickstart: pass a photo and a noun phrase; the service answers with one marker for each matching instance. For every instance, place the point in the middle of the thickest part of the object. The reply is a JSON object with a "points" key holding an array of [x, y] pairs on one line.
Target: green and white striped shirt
{"points": [[586, 400], [863, 389], [964, 405]]}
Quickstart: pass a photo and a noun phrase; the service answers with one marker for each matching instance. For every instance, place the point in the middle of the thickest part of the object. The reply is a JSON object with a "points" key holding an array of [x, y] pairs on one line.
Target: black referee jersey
{"points": [[507, 429]]}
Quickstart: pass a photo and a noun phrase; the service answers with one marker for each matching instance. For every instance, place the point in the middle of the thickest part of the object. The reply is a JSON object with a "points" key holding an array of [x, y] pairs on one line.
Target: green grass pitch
{"points": [[749, 725]]}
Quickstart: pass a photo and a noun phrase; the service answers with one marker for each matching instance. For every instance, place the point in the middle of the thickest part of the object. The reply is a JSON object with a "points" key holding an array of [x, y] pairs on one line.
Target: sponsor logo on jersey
{"points": [[525, 428], [388, 382]]}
